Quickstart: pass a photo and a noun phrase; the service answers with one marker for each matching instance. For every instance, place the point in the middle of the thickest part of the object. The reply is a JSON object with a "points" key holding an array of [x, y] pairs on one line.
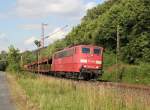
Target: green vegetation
{"points": [[13, 59], [58, 94], [109, 59], [28, 57], [137, 74], [129, 74], [3, 65], [99, 27], [3, 60]]}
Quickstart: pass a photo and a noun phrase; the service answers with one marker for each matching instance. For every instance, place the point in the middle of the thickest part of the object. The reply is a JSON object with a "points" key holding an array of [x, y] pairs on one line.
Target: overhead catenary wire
{"points": [[46, 37]]}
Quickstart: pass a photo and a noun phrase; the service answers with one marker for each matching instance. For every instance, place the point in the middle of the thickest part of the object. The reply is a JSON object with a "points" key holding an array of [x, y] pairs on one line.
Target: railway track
{"points": [[107, 84], [125, 86], [119, 86]]}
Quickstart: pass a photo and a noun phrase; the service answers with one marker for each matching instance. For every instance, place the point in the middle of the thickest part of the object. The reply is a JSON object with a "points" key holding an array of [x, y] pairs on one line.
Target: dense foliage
{"points": [[99, 27], [3, 60], [13, 59], [28, 57]]}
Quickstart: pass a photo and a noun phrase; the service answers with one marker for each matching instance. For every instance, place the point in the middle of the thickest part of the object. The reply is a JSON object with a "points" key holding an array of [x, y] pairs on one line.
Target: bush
{"points": [[3, 66], [13, 59], [138, 74]]}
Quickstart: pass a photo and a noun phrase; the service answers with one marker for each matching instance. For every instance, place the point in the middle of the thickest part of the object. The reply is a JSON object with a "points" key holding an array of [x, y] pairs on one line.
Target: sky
{"points": [[20, 20]]}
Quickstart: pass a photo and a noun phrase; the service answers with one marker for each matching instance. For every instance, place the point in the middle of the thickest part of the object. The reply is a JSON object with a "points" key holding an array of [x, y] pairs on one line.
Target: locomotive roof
{"points": [[43, 60], [77, 46]]}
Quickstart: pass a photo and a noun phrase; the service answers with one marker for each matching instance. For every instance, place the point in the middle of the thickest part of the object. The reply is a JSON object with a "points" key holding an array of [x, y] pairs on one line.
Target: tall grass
{"points": [[138, 74], [59, 94], [109, 59], [135, 74]]}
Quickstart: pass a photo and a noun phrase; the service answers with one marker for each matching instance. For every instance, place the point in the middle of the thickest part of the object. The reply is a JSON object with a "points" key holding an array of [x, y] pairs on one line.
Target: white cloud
{"points": [[2, 36], [31, 26], [2, 16], [90, 5], [57, 34], [4, 43], [43, 8], [30, 40]]}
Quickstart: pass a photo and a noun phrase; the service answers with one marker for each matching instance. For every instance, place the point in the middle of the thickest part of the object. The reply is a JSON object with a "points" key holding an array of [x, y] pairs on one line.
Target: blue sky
{"points": [[20, 20]]}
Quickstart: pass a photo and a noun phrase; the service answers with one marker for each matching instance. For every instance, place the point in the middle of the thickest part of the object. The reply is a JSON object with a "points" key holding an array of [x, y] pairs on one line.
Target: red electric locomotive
{"points": [[82, 61]]}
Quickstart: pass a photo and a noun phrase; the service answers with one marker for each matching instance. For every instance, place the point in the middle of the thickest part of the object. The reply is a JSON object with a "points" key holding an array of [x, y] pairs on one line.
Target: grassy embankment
{"points": [[33, 93], [58, 94], [135, 74]]}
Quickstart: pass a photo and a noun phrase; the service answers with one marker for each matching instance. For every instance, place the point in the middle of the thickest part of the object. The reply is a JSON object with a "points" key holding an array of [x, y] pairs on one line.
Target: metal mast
{"points": [[43, 34]]}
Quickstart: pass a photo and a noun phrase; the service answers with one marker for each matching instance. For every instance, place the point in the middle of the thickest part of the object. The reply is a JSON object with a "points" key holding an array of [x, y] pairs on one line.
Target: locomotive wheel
{"points": [[86, 76]]}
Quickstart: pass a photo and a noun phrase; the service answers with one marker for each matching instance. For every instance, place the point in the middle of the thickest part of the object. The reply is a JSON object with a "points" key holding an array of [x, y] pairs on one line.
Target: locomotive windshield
{"points": [[86, 50], [97, 51]]}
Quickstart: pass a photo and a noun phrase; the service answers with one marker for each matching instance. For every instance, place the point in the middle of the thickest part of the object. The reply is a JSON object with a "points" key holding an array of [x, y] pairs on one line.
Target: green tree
{"points": [[28, 57], [99, 27], [13, 59], [3, 60]]}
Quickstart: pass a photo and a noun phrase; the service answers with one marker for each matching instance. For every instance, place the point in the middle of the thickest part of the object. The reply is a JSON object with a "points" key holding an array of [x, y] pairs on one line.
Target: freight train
{"points": [[79, 62]]}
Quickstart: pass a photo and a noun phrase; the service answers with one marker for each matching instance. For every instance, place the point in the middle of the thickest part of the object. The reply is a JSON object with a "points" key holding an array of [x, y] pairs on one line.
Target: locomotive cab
{"points": [[91, 61]]}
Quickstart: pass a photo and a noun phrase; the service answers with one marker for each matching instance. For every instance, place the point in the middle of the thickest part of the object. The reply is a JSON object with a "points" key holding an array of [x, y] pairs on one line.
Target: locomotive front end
{"points": [[91, 62]]}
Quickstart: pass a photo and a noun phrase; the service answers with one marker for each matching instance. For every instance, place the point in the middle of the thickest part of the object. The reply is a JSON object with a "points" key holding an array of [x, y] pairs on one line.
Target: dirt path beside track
{"points": [[5, 100]]}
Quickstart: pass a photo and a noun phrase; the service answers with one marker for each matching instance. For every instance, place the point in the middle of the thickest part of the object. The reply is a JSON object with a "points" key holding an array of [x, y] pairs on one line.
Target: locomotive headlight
{"points": [[83, 61], [99, 62], [84, 66], [97, 67]]}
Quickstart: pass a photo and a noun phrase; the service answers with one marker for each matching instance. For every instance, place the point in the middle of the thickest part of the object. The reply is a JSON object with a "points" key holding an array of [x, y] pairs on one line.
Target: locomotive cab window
{"points": [[97, 51], [86, 50]]}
